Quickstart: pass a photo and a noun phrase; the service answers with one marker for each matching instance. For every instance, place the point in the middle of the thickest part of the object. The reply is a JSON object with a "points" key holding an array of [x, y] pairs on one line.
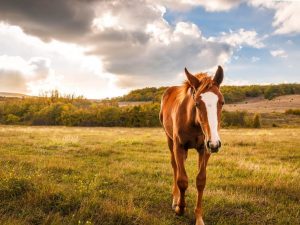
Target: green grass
{"points": [[58, 175]]}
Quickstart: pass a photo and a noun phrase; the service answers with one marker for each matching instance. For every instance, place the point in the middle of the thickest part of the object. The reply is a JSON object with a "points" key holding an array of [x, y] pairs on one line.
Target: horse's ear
{"points": [[194, 82], [218, 78]]}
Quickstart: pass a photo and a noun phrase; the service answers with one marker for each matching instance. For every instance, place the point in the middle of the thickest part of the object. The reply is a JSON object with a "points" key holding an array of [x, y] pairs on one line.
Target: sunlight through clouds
{"points": [[105, 48], [28, 76]]}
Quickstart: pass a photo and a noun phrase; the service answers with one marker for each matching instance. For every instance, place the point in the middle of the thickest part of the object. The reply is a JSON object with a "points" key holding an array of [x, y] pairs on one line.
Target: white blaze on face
{"points": [[210, 100]]}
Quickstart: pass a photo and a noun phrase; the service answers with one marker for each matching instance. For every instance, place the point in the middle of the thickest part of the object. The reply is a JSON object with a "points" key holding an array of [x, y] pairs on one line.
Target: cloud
{"points": [[241, 38], [12, 81], [63, 20], [16, 74], [287, 16], [285, 19], [161, 58], [235, 82], [40, 67], [132, 40], [211, 5], [71, 71], [136, 43], [279, 53], [254, 59]]}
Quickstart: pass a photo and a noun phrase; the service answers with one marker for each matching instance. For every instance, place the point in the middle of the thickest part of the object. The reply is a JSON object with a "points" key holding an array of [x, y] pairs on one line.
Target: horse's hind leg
{"points": [[175, 189]]}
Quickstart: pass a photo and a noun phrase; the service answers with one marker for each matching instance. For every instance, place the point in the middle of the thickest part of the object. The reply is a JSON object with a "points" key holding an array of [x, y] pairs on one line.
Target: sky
{"points": [[105, 48]]}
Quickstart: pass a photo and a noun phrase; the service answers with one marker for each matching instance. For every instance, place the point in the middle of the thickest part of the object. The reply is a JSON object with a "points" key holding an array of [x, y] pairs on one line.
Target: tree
{"points": [[256, 121]]}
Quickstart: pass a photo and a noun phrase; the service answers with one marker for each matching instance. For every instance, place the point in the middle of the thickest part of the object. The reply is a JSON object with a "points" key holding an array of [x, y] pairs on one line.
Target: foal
{"points": [[190, 115]]}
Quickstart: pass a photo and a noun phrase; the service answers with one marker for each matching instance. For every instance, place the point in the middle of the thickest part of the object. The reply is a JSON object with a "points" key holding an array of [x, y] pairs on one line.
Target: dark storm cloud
{"points": [[113, 44], [65, 20]]}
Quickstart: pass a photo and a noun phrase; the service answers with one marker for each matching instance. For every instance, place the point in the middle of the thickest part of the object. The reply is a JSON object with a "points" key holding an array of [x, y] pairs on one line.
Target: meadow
{"points": [[109, 176]]}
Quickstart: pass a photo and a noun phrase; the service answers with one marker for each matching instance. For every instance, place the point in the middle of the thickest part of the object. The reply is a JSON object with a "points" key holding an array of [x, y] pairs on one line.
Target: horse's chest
{"points": [[192, 141]]}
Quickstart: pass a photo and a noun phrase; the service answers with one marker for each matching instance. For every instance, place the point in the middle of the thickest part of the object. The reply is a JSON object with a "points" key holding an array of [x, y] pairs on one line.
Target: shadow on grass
{"points": [[13, 188], [269, 205]]}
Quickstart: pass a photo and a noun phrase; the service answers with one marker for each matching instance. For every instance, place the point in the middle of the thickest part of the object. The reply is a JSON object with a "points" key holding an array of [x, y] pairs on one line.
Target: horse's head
{"points": [[208, 101]]}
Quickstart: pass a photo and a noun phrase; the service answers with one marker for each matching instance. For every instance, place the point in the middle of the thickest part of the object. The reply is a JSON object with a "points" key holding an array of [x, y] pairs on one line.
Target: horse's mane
{"points": [[205, 83]]}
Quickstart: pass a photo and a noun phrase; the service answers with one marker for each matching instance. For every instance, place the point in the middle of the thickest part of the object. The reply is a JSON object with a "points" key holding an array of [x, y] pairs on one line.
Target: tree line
{"points": [[77, 111], [231, 94]]}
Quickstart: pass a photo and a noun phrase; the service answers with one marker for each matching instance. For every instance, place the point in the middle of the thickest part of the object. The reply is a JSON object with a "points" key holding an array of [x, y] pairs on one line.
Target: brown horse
{"points": [[190, 115]]}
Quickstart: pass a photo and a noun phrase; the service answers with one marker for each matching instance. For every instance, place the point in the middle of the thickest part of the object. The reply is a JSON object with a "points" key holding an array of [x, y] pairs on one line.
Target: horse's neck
{"points": [[189, 105]]}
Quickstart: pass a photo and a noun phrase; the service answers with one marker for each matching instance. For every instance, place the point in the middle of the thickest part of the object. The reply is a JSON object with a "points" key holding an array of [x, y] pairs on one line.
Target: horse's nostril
{"points": [[211, 145], [214, 147], [208, 144]]}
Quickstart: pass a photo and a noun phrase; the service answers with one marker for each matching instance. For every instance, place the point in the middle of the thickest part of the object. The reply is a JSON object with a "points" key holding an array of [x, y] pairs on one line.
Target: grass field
{"points": [[58, 175]]}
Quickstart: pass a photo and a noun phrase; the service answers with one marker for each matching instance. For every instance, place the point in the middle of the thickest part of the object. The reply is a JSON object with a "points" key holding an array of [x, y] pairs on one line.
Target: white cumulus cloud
{"points": [[279, 53], [241, 38]]}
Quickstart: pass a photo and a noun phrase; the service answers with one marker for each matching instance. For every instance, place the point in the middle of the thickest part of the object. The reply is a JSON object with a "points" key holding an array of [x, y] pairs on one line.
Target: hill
{"points": [[12, 95], [261, 105]]}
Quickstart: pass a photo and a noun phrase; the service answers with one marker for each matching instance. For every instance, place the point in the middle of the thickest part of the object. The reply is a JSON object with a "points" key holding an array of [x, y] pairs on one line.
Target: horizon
{"points": [[101, 49], [66, 95]]}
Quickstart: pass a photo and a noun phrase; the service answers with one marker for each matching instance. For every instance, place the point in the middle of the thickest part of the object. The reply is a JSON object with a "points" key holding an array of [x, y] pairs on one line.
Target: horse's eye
{"points": [[222, 103]]}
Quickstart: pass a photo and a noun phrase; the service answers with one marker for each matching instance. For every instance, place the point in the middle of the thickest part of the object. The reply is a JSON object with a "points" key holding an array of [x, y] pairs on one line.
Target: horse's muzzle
{"points": [[214, 147]]}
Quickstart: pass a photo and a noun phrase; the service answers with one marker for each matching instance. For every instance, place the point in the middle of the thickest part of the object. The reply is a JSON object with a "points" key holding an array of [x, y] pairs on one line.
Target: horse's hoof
{"points": [[179, 210], [199, 221]]}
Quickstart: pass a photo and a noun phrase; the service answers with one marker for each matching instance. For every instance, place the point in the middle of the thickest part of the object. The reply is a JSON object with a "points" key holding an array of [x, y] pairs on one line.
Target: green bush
{"points": [[49, 115], [12, 119], [240, 119], [234, 119]]}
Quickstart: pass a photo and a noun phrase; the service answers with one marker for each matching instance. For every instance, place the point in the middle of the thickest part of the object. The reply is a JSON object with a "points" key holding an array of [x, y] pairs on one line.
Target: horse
{"points": [[190, 115]]}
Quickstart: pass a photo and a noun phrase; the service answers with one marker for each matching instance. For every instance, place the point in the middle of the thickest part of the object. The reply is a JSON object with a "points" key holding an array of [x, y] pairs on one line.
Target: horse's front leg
{"points": [[181, 179], [200, 182], [175, 189]]}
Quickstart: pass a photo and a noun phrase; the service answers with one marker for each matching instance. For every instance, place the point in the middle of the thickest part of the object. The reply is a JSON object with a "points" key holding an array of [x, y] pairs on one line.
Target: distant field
{"points": [[261, 105], [14, 95], [58, 175], [253, 105]]}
